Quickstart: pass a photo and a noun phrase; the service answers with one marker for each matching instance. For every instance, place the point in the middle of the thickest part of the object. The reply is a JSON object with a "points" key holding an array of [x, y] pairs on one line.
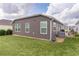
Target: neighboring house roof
{"points": [[5, 22], [48, 16]]}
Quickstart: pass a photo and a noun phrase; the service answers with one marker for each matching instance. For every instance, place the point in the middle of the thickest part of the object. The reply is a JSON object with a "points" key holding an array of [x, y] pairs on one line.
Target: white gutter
{"points": [[50, 30]]}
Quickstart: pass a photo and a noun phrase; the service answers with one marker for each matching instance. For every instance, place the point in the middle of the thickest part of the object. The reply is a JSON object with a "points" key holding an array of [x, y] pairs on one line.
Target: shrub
{"points": [[2, 32], [9, 32]]}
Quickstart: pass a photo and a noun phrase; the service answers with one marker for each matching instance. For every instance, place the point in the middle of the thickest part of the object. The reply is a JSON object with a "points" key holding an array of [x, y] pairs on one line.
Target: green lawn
{"points": [[12, 45]]}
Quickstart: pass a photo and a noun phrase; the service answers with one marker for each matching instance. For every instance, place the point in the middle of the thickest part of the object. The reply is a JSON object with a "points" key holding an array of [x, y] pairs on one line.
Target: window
{"points": [[17, 27], [43, 27], [54, 26], [27, 27]]}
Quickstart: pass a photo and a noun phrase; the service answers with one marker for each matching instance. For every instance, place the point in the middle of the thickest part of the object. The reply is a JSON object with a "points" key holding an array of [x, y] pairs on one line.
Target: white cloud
{"points": [[7, 11], [52, 8], [62, 14], [1, 13], [4, 15], [68, 13], [65, 12], [75, 8], [58, 7]]}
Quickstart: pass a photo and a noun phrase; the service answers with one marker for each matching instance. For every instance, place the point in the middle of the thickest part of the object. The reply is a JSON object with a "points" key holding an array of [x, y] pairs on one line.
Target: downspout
{"points": [[50, 29]]}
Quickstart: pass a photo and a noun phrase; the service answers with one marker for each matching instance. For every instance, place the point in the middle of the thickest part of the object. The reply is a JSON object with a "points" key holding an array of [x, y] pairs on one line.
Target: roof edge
{"points": [[45, 15], [33, 16]]}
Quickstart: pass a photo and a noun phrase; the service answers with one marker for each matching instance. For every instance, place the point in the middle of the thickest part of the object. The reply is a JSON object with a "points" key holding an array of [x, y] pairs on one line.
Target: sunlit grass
{"points": [[13, 45]]}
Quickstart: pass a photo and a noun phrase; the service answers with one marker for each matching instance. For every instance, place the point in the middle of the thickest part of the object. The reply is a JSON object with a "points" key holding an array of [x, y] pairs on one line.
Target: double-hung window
{"points": [[27, 27], [17, 27], [43, 27], [54, 25]]}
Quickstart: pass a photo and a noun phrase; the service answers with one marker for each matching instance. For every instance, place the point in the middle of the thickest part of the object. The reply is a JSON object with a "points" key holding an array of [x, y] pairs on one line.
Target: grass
{"points": [[21, 46]]}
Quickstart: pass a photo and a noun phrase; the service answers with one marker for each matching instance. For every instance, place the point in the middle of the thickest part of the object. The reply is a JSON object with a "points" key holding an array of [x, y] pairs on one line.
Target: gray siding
{"points": [[58, 27], [34, 27]]}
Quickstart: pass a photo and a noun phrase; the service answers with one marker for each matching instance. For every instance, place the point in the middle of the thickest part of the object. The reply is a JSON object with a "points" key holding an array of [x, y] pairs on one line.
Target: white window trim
{"points": [[16, 27], [43, 27], [28, 27]]}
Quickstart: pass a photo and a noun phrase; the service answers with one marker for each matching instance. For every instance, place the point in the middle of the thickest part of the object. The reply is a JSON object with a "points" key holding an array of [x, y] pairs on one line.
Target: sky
{"points": [[17, 10], [68, 13]]}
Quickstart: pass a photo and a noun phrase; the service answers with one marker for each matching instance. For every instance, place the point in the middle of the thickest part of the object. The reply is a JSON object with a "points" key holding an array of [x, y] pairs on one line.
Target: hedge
{"points": [[9, 32], [5, 32], [2, 32]]}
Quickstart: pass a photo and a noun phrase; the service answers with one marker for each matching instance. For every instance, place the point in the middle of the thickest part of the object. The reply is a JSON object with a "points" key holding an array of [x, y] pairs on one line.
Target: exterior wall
{"points": [[34, 27], [58, 28], [5, 27]]}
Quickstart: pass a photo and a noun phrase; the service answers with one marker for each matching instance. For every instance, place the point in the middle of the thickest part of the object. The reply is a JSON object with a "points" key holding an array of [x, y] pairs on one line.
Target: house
{"points": [[39, 26], [5, 24]]}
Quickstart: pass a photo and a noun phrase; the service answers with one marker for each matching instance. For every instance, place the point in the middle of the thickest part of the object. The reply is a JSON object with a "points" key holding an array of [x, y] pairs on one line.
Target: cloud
{"points": [[73, 12], [10, 8], [65, 12], [54, 8], [1, 13], [14, 10]]}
